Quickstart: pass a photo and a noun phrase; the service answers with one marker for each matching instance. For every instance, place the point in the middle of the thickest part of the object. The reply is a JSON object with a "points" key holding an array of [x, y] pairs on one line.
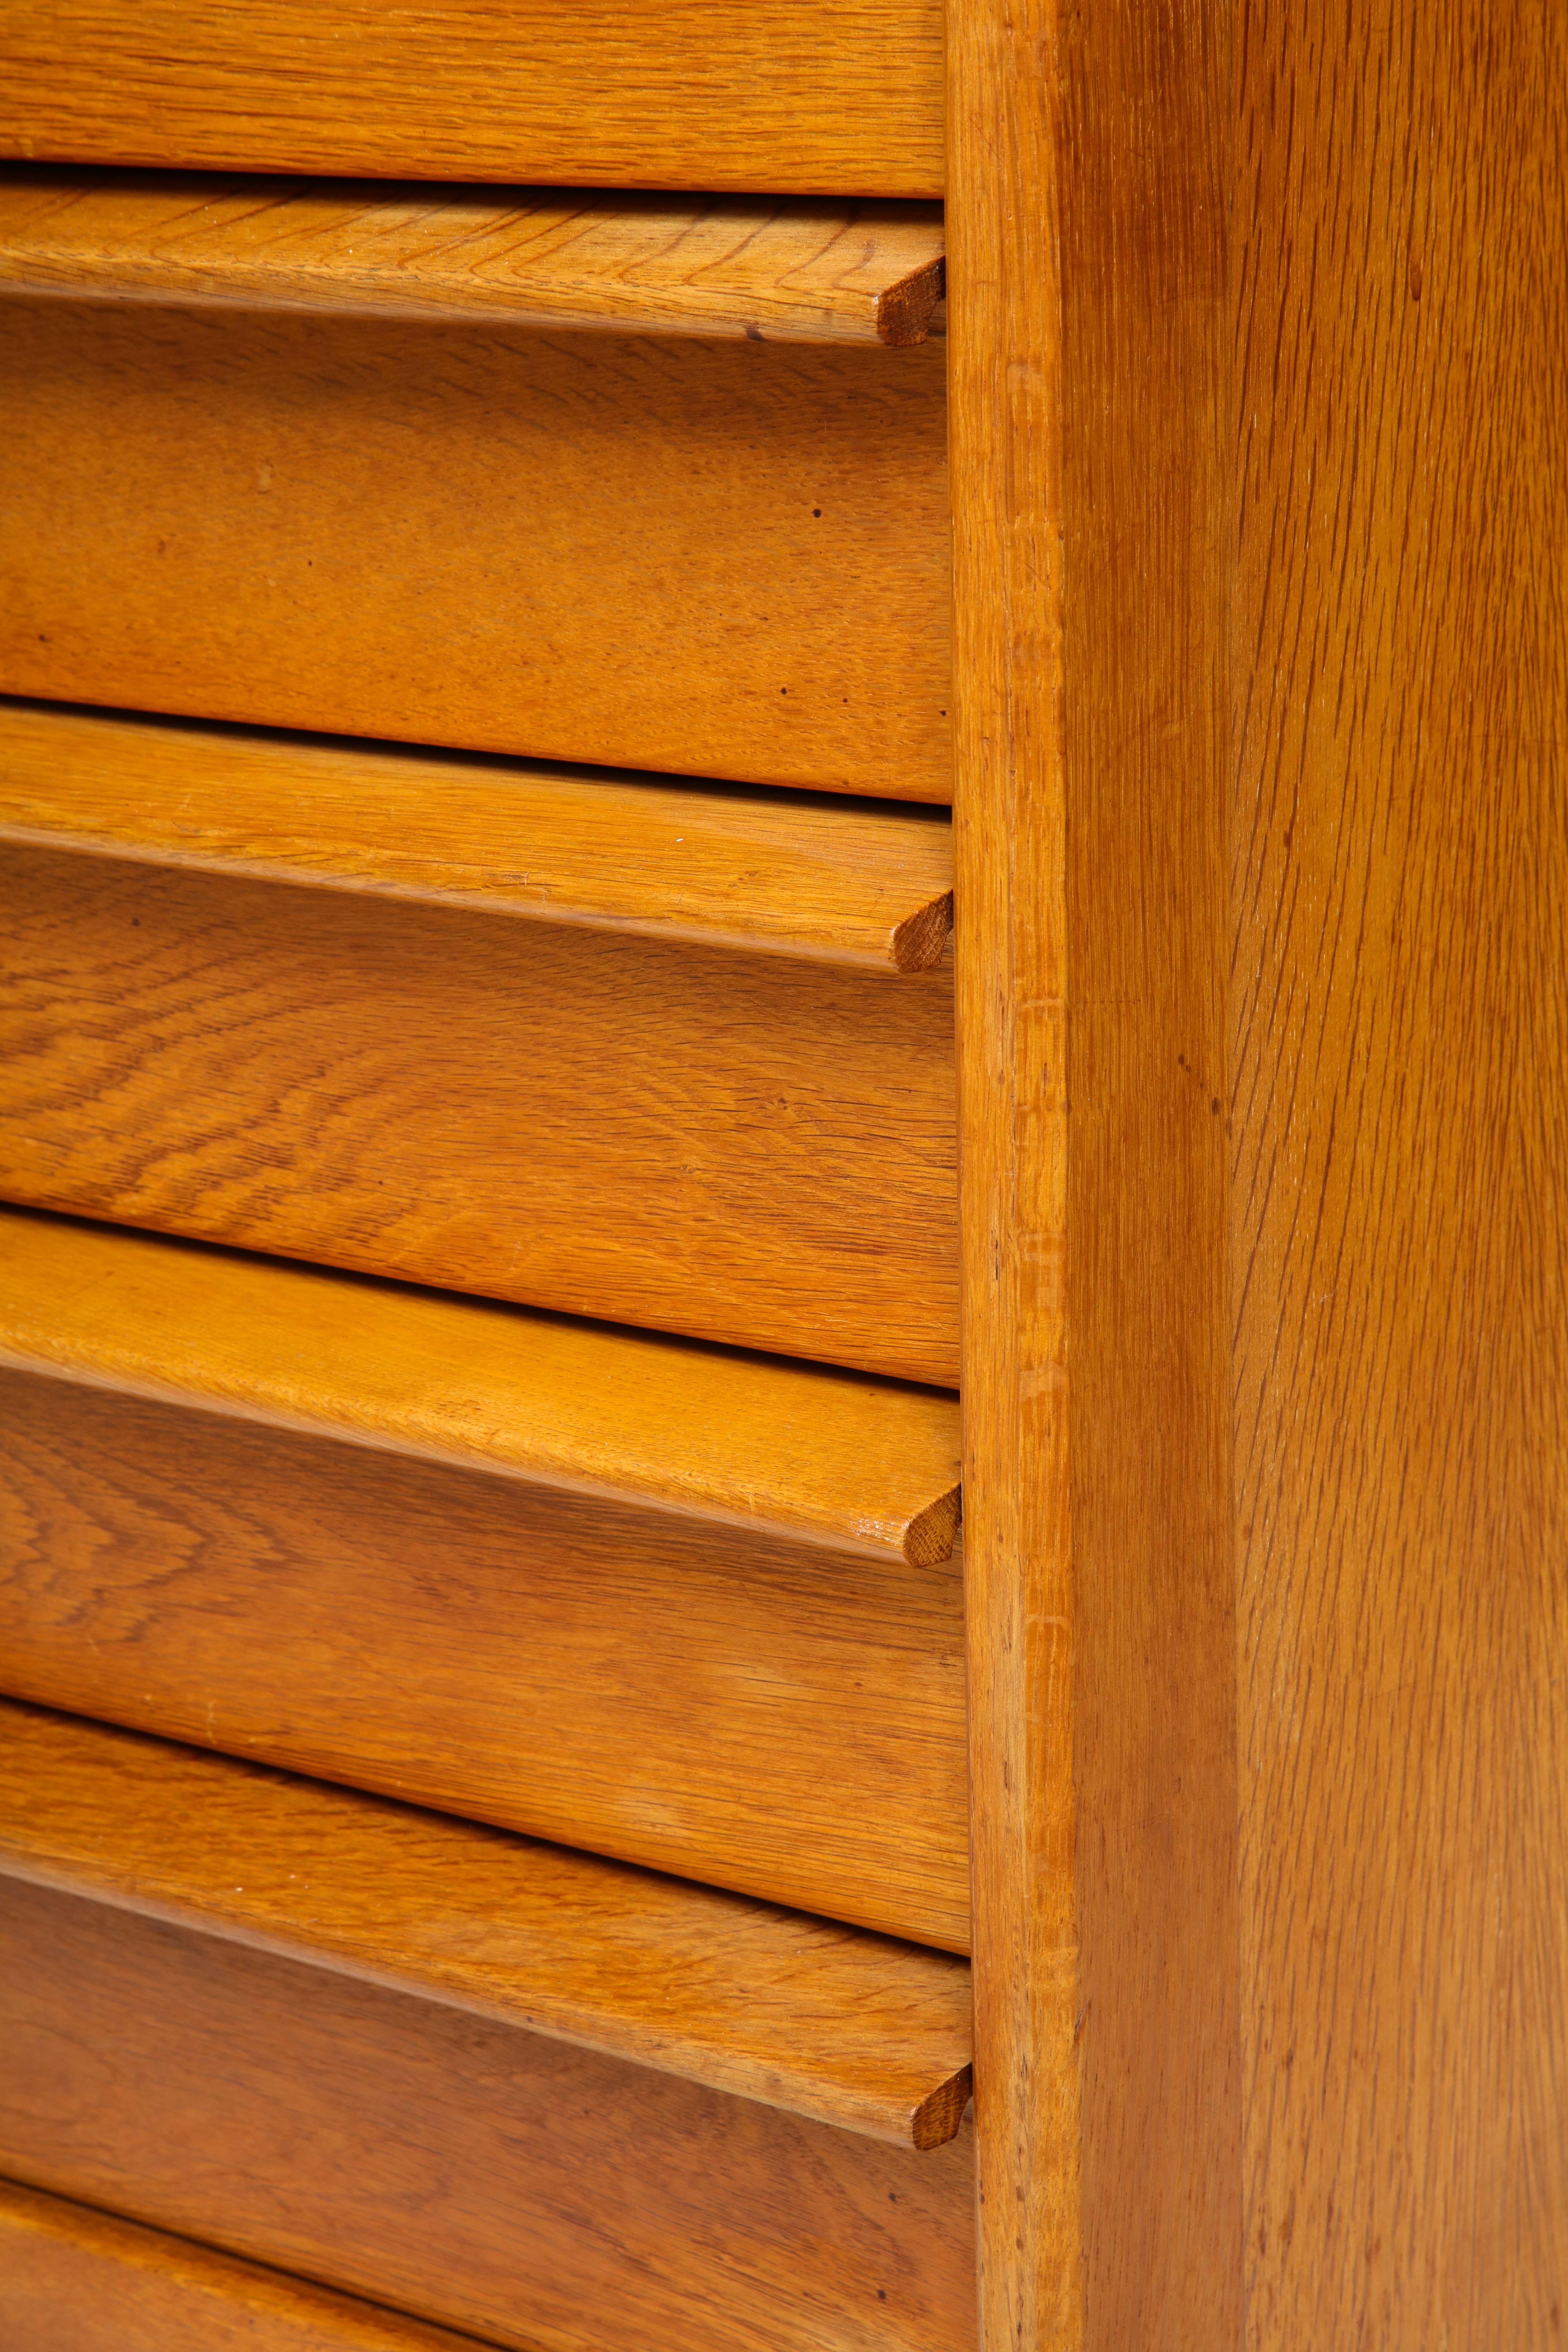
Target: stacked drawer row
{"points": [[477, 1308]]}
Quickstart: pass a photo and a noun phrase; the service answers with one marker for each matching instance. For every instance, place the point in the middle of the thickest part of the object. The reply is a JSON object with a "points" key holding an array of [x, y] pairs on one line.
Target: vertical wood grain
{"points": [[1145, 140], [1146, 490], [1087, 216], [1258, 323], [1009, 863], [1400, 1013]]}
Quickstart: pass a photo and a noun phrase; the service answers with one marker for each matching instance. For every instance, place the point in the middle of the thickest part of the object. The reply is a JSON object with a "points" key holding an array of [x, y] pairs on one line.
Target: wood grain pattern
{"points": [[702, 557], [1009, 851], [540, 2194], [852, 2029], [833, 97], [779, 1717], [1146, 195], [748, 1149], [814, 271], [728, 1439], [73, 2279], [1088, 335], [789, 874], [1400, 1100]]}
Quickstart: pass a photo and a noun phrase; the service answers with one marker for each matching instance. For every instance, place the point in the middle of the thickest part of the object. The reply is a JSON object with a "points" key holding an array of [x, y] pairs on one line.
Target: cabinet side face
{"points": [[1400, 1020]]}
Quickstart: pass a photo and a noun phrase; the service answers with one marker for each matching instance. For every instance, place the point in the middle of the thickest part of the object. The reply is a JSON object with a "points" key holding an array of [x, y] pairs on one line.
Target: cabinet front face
{"points": [[484, 1760]]}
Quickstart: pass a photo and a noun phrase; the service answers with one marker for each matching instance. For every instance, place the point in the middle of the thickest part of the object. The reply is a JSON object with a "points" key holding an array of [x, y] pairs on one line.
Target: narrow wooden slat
{"points": [[812, 271], [852, 2029], [713, 558], [787, 874], [75, 2280], [480, 2176], [750, 1149], [608, 1591], [830, 96]]}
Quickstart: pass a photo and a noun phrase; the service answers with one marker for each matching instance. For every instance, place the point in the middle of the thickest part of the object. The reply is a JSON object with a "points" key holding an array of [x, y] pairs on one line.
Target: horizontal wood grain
{"points": [[853, 2029], [742, 1148], [810, 270], [819, 96], [541, 2195], [713, 558], [726, 1438], [76, 2280], [790, 874], [777, 1713]]}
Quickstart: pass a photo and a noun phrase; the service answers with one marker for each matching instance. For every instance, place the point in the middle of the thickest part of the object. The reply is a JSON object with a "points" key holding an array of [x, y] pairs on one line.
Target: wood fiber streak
{"points": [[781, 1718], [1400, 1013], [1145, 183], [831, 96], [73, 2279], [810, 271], [736, 1146], [784, 873], [855, 2030], [543, 2196], [1009, 847], [703, 557]]}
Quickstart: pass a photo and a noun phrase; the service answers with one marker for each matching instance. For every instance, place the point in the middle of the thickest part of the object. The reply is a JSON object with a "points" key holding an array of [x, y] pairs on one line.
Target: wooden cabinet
{"points": [[783, 1176]]}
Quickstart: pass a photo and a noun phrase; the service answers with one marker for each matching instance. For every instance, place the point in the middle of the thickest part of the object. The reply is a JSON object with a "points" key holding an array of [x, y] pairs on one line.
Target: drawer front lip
{"points": [[856, 2031], [73, 2279], [723, 1437], [719, 560], [480, 2176], [766, 269], [863, 884], [782, 95], [782, 1718], [747, 1149]]}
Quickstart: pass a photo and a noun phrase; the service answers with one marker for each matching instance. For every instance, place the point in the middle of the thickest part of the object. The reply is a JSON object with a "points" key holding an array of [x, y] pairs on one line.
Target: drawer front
{"points": [[717, 559], [541, 2196], [749, 1149], [813, 95], [781, 1718]]}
